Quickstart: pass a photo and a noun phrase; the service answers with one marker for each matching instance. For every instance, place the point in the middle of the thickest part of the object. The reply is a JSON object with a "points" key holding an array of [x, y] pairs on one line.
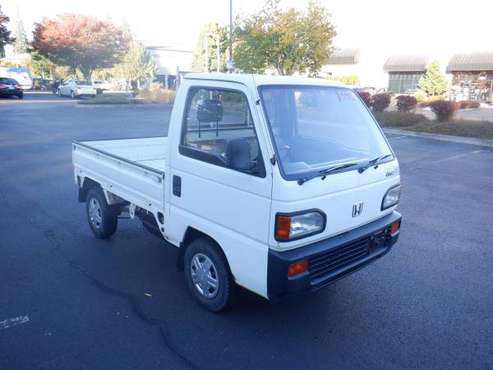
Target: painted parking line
{"points": [[457, 156], [5, 324]]}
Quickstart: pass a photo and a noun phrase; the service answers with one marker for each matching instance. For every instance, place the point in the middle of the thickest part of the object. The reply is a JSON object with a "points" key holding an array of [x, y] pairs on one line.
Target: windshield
{"points": [[316, 127], [9, 81]]}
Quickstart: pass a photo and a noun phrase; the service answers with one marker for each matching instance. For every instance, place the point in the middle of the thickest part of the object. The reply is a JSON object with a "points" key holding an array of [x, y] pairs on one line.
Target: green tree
{"points": [[80, 42], [212, 38], [20, 45], [41, 66], [136, 66], [433, 83], [288, 41], [5, 37]]}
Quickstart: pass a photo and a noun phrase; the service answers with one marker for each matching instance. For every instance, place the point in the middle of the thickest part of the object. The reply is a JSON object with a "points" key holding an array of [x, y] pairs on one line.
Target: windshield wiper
{"points": [[374, 162], [323, 173]]}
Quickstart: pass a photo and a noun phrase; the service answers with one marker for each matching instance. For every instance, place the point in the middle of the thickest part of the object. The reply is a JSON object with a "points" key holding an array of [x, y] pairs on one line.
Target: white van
{"points": [[276, 184]]}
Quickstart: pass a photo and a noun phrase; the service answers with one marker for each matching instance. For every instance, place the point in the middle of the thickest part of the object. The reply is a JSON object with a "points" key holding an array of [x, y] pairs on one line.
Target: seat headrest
{"points": [[238, 154], [210, 110]]}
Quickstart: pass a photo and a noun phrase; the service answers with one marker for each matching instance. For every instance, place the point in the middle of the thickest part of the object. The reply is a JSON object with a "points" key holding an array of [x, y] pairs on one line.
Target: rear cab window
{"points": [[8, 81], [218, 129]]}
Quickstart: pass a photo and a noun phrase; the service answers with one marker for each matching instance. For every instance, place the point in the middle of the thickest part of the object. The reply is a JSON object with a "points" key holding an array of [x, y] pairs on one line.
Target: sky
{"points": [[379, 28], [403, 26]]}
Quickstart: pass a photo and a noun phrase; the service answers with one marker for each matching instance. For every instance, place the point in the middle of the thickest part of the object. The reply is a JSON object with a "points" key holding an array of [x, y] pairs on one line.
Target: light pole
{"points": [[230, 64]]}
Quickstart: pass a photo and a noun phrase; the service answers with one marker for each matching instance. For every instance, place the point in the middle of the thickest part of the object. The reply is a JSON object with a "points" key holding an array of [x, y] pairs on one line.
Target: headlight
{"points": [[291, 226], [391, 197]]}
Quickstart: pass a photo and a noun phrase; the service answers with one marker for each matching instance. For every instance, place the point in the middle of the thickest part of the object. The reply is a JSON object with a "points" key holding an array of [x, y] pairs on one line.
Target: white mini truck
{"points": [[277, 184]]}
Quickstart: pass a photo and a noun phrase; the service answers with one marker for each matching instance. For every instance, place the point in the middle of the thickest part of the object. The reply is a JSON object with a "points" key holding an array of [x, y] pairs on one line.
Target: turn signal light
{"points": [[394, 228], [283, 227], [297, 267]]}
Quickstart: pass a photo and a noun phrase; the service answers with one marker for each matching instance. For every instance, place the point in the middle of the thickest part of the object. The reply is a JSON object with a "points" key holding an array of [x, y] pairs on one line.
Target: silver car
{"points": [[76, 88]]}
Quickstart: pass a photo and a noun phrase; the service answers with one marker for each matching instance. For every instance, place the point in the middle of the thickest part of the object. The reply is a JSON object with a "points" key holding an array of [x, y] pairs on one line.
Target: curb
{"points": [[113, 105], [449, 138]]}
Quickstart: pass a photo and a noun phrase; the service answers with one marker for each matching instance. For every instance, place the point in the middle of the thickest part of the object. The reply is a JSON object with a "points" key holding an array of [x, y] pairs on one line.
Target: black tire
{"points": [[20, 96], [224, 296], [72, 95], [102, 218]]}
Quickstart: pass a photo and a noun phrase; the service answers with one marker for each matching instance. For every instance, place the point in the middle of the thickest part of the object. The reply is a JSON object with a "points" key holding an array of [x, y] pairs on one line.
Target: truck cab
{"points": [[276, 184]]}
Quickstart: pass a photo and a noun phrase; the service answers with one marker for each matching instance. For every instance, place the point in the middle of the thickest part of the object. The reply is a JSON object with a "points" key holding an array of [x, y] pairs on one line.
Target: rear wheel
{"points": [[102, 218], [20, 95], [208, 276]]}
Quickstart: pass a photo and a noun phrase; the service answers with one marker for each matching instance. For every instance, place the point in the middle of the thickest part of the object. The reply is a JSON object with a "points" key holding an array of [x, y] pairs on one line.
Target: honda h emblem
{"points": [[357, 209]]}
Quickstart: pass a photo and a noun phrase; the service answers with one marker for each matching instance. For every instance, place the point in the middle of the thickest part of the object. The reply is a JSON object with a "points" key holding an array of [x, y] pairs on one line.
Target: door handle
{"points": [[177, 186]]}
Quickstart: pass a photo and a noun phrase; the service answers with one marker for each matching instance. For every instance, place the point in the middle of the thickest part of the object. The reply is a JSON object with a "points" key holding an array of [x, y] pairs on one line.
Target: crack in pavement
{"points": [[131, 299]]}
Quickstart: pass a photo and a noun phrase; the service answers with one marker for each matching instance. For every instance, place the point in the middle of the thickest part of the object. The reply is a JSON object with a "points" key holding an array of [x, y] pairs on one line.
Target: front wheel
{"points": [[20, 96], [102, 218], [72, 95], [208, 276]]}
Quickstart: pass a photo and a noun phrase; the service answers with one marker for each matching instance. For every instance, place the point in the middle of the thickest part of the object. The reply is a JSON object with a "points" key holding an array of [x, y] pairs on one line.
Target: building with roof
{"points": [[405, 71], [170, 61], [344, 57], [350, 64], [472, 76], [343, 62]]}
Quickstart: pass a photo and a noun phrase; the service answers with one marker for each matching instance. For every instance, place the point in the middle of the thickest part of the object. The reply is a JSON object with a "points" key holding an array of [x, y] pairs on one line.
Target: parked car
{"points": [[76, 88], [21, 74], [10, 87], [101, 86], [277, 184]]}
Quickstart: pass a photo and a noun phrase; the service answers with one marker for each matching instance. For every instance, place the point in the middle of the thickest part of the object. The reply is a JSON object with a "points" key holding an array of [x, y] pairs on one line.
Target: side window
{"points": [[218, 128]]}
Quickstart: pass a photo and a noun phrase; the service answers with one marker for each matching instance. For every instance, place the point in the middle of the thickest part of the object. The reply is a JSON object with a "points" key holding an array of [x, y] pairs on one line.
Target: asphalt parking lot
{"points": [[69, 301]]}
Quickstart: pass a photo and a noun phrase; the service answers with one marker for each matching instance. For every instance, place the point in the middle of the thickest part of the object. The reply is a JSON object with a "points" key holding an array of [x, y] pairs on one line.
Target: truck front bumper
{"points": [[330, 259]]}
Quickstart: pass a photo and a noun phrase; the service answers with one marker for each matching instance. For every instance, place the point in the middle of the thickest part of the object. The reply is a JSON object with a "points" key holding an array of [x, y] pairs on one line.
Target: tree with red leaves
{"points": [[80, 42]]}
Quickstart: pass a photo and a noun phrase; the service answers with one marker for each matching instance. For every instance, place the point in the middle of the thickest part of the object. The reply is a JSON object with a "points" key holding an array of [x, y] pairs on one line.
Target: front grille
{"points": [[325, 263]]}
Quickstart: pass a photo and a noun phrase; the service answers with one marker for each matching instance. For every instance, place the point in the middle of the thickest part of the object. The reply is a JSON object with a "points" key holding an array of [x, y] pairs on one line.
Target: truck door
{"points": [[221, 182]]}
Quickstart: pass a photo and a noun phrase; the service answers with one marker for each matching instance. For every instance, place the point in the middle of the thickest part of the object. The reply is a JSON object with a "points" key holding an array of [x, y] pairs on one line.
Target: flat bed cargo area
{"points": [[132, 169], [150, 152]]}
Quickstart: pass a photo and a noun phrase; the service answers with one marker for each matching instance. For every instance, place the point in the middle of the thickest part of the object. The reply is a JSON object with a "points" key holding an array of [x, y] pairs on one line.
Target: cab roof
{"points": [[258, 80]]}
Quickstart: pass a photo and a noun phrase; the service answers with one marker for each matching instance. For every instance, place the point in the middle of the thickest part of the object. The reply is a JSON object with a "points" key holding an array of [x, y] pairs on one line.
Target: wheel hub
{"points": [[95, 213], [204, 275]]}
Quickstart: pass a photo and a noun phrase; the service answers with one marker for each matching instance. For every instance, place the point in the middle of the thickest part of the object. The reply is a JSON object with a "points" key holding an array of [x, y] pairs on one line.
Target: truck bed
{"points": [[150, 152], [132, 169]]}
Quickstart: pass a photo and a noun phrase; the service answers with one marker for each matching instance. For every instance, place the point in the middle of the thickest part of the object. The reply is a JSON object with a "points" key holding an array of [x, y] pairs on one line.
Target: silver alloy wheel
{"points": [[204, 275], [95, 213]]}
